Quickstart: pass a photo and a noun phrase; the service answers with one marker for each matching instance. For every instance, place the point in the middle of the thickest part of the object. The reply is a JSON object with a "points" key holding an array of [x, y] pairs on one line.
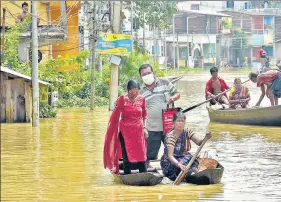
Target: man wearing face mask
{"points": [[158, 92]]}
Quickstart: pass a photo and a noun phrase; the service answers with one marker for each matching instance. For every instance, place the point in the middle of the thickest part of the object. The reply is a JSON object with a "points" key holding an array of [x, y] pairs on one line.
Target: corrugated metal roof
{"points": [[260, 12], [17, 74], [203, 12]]}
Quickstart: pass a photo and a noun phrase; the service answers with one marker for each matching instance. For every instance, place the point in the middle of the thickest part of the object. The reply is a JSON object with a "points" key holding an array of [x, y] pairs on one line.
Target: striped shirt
{"points": [[171, 139], [157, 100]]}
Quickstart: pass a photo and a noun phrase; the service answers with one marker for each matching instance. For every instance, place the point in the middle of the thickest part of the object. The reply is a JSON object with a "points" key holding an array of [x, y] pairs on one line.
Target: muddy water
{"points": [[63, 160]]}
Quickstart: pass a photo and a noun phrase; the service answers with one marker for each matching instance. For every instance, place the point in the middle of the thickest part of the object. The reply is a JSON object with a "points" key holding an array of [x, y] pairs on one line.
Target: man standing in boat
{"points": [[215, 86], [158, 92]]}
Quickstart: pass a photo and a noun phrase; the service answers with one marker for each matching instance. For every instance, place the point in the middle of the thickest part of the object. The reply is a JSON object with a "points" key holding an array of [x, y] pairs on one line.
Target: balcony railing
{"points": [[47, 34]]}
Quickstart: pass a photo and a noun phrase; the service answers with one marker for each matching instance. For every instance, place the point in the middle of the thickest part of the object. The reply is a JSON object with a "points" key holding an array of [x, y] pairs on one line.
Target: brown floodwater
{"points": [[62, 161]]}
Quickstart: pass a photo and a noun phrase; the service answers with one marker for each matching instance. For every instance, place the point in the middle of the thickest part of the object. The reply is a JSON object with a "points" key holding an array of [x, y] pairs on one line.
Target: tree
{"points": [[155, 13]]}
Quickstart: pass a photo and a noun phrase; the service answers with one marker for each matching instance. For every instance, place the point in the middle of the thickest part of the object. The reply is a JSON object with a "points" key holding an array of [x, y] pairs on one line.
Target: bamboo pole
{"points": [[183, 173]]}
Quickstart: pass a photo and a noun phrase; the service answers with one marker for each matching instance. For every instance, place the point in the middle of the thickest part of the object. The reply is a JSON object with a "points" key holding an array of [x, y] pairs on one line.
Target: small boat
{"points": [[154, 176], [207, 176], [141, 179], [266, 116]]}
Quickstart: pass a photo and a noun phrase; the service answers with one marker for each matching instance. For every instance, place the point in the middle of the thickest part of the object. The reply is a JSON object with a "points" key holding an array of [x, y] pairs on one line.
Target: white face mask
{"points": [[148, 79]]}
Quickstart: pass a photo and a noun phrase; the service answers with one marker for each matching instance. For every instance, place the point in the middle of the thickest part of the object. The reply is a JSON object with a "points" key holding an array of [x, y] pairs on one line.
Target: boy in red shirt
{"points": [[215, 86]]}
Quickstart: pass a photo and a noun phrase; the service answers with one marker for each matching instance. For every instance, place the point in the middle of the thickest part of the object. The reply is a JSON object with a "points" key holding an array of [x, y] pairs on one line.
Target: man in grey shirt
{"points": [[158, 92]]}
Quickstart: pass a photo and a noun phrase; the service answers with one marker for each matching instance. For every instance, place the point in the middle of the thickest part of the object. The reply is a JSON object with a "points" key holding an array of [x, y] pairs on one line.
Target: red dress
{"points": [[131, 127]]}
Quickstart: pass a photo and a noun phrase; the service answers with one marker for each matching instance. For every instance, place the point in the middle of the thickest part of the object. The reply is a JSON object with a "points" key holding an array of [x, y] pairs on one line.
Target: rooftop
{"points": [[15, 74], [195, 13], [260, 12]]}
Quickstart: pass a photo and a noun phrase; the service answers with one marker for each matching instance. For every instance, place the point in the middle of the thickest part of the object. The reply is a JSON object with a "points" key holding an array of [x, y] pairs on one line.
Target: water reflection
{"points": [[63, 160]]}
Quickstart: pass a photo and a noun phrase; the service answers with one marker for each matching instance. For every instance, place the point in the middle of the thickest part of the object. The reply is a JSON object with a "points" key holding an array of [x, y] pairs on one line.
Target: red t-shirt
{"points": [[261, 52], [267, 77]]}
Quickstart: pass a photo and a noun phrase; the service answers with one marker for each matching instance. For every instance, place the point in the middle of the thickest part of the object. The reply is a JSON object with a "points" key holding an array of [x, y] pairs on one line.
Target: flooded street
{"points": [[63, 160]]}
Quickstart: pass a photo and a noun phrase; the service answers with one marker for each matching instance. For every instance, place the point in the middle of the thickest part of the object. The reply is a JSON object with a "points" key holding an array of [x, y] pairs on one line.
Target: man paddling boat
{"points": [[215, 86]]}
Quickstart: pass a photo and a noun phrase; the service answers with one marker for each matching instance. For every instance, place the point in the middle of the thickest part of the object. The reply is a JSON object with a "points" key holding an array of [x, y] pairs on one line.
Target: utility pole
{"points": [[93, 54], [63, 16], [165, 49], [116, 22], [154, 42], [174, 49], [35, 84], [86, 38], [178, 51], [132, 24], [3, 29], [143, 33]]}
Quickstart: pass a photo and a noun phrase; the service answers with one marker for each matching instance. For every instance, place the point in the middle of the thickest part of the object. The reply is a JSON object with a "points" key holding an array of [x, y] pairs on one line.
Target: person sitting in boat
{"points": [[239, 96], [272, 80], [215, 86], [130, 129], [177, 145]]}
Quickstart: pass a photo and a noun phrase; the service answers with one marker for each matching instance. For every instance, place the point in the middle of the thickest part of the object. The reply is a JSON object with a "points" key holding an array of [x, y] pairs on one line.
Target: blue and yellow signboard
{"points": [[114, 44]]}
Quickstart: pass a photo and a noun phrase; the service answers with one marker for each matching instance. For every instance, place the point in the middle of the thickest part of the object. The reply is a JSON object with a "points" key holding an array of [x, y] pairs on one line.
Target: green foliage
{"points": [[75, 101], [226, 24], [65, 81], [46, 111], [11, 46], [155, 13]]}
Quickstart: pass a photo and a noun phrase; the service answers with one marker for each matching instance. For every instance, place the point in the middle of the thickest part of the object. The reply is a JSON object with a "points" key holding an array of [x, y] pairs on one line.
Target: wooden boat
{"points": [[211, 175], [141, 179], [154, 176], [266, 116]]}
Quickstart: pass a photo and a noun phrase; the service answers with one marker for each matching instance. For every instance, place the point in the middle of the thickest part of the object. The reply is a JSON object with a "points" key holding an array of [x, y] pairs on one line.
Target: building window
{"points": [[150, 27], [268, 22], [194, 6], [230, 4], [136, 23]]}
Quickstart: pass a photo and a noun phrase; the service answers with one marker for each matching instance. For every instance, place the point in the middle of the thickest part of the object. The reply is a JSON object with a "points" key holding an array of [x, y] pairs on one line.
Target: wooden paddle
{"points": [[176, 79], [183, 173], [208, 100]]}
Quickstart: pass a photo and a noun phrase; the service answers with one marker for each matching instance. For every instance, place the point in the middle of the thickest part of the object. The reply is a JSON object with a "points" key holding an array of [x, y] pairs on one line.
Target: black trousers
{"points": [[127, 166]]}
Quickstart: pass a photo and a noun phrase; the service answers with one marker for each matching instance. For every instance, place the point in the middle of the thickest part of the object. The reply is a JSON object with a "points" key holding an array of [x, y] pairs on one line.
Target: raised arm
{"points": [[198, 141]]}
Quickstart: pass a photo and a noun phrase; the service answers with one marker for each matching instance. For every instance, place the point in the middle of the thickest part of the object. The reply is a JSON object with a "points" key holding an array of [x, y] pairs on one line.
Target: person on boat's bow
{"points": [[130, 129], [272, 80], [158, 92], [239, 96], [177, 145], [215, 86]]}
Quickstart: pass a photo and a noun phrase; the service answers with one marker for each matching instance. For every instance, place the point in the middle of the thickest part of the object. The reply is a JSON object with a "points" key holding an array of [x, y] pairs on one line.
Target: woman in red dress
{"points": [[128, 124]]}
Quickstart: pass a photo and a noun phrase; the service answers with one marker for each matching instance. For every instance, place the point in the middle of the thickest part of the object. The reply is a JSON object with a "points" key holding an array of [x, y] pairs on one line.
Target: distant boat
{"points": [[263, 116]]}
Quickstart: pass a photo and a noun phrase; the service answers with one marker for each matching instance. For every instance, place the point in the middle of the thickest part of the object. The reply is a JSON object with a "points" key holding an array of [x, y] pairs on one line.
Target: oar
{"points": [[176, 79], [183, 173], [199, 104]]}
